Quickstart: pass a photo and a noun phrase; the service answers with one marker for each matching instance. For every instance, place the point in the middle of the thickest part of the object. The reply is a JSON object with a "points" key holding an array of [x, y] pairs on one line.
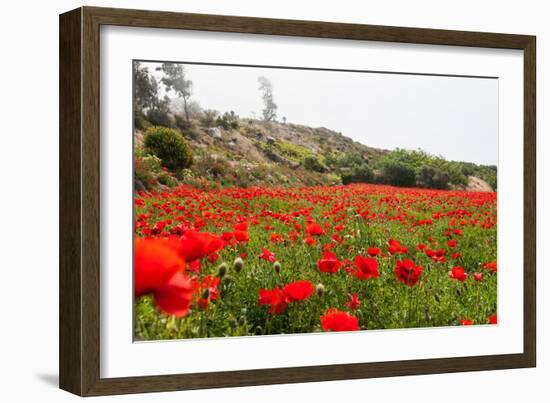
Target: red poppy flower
{"points": [[213, 257], [491, 266], [298, 290], [338, 321], [176, 296], [451, 243], [241, 227], [458, 273], [493, 319], [227, 236], [328, 263], [354, 302], [276, 238], [158, 271], [407, 272], [367, 267], [268, 255], [241, 236], [467, 322], [310, 241], [275, 298], [478, 276], [314, 229], [374, 251], [193, 245]]}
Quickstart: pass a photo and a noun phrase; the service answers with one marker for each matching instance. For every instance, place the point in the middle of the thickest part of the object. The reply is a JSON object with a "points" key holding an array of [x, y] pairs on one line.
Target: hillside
{"points": [[248, 152]]}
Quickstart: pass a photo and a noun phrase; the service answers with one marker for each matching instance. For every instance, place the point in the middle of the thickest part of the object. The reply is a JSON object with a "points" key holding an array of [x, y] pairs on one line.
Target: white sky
{"points": [[450, 116]]}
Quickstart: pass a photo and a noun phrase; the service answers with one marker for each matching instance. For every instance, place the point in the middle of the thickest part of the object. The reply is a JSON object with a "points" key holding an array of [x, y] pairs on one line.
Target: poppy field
{"points": [[258, 261]]}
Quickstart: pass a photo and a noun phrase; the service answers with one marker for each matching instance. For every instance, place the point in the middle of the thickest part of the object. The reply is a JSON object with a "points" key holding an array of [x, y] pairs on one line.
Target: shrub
{"points": [[229, 120], [181, 123], [433, 178], [160, 117], [170, 146], [208, 117], [167, 180], [397, 174], [358, 174], [140, 120], [145, 168], [312, 163]]}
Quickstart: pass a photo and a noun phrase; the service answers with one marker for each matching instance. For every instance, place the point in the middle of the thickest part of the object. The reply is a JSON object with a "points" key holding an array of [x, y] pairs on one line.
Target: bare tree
{"points": [[270, 107]]}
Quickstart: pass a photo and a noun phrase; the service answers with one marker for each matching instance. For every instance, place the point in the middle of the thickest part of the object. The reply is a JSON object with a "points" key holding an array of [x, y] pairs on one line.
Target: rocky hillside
{"points": [[258, 153]]}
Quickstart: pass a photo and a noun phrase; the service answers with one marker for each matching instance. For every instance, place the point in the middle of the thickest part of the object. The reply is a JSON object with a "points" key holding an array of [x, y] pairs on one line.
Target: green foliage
{"points": [[229, 120], [167, 180], [293, 151], [397, 173], [160, 117], [312, 163], [358, 174], [170, 146], [344, 160], [433, 178], [416, 161]]}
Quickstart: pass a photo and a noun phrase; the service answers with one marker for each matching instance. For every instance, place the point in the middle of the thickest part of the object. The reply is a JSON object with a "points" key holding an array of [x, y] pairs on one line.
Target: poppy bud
{"points": [[320, 289], [205, 293], [277, 266], [222, 269], [238, 264]]}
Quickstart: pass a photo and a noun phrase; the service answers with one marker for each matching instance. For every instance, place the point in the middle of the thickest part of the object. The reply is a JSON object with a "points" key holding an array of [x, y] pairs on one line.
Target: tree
{"points": [[270, 107], [146, 88], [174, 80]]}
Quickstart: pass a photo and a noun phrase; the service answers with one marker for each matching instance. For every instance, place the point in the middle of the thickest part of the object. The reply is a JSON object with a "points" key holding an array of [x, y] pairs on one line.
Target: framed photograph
{"points": [[248, 201]]}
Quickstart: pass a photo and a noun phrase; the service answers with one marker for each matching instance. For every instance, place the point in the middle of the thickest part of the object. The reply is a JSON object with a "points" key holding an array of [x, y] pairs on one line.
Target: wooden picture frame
{"points": [[80, 198]]}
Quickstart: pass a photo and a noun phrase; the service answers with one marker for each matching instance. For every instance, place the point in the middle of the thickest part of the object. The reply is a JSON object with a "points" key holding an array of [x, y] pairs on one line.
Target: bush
{"points": [[358, 174], [167, 180], [208, 117], [170, 146], [140, 120], [312, 163], [181, 123], [229, 120], [160, 117], [397, 174], [432, 178]]}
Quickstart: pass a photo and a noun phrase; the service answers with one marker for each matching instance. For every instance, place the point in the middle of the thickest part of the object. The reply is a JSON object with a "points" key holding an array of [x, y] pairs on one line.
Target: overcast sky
{"points": [[454, 117]]}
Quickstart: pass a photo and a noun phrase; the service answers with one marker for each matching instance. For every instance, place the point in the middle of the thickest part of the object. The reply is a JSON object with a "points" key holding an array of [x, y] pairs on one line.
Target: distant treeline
{"points": [[409, 169]]}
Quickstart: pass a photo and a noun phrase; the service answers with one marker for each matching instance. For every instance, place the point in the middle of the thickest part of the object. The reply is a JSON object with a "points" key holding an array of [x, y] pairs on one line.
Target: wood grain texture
{"points": [[70, 271], [80, 200]]}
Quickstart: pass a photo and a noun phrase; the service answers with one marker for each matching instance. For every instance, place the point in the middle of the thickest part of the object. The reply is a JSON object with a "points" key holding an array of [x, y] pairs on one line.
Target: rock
{"points": [[295, 165], [139, 186], [476, 184], [270, 140], [215, 133], [231, 144], [273, 156]]}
